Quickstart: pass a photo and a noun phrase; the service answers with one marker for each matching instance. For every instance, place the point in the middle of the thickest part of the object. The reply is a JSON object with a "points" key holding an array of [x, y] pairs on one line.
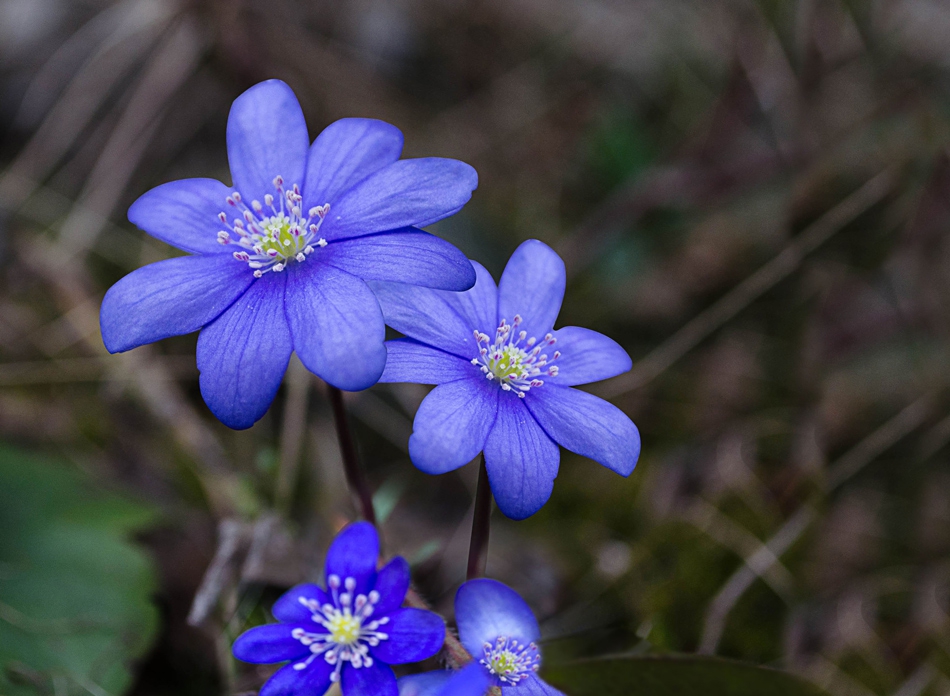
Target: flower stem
{"points": [[355, 476], [481, 526]]}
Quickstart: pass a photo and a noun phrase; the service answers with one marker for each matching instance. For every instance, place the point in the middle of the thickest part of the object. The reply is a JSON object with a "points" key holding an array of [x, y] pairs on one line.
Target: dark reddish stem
{"points": [[355, 476], [481, 526]]}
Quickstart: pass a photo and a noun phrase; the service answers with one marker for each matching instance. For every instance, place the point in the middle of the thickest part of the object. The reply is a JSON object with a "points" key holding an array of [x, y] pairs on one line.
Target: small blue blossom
{"points": [[349, 633], [505, 379], [499, 630], [278, 262]]}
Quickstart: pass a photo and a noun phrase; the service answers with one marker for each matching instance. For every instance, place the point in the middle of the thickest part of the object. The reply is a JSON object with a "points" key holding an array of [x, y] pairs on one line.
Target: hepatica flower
{"points": [[348, 633], [505, 379], [278, 262], [499, 630]]}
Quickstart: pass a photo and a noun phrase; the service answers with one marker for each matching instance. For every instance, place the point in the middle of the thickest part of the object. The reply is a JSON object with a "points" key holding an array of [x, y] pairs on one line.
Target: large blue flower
{"points": [[278, 262], [349, 633], [505, 379], [498, 628]]}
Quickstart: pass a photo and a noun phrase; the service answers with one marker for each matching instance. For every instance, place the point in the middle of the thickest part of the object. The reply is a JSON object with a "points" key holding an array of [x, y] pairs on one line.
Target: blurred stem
{"points": [[291, 437], [355, 476], [481, 526]]}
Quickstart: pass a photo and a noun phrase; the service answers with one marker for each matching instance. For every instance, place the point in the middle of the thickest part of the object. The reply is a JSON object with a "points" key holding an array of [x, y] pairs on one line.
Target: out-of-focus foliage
{"points": [[752, 197], [76, 607]]}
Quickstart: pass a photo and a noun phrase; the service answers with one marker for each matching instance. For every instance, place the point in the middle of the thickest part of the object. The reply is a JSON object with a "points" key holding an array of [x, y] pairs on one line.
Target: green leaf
{"points": [[75, 593], [673, 676]]}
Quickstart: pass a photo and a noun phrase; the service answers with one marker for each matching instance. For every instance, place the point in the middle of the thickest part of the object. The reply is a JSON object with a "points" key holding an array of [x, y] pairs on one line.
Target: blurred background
{"points": [[751, 196]]}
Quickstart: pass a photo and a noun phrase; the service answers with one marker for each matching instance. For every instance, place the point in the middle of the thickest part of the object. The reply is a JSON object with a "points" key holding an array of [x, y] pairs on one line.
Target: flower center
{"points": [[275, 233], [510, 661], [348, 633], [513, 359]]}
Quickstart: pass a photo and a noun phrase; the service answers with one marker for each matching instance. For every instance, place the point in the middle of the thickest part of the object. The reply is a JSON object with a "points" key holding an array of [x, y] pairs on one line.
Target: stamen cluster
{"points": [[349, 633], [510, 661], [513, 359], [272, 237]]}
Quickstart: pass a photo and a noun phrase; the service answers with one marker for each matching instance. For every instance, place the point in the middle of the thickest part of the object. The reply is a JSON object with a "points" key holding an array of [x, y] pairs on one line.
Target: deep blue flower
{"points": [[349, 633], [498, 628], [278, 262], [526, 407]]}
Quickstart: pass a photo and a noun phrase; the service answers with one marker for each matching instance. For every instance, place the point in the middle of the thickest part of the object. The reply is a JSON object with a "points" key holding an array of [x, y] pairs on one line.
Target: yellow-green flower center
{"points": [[515, 361], [344, 628]]}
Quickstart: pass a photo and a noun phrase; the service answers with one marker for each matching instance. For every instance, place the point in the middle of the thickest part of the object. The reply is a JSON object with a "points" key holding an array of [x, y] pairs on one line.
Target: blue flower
{"points": [[498, 628], [505, 379], [278, 262], [349, 633]]}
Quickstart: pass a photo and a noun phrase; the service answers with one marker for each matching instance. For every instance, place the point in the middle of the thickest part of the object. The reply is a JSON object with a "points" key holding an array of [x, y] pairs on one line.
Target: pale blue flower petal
{"points": [[345, 153], [486, 610], [532, 286], [170, 298], [267, 137], [520, 458], [407, 193], [532, 686], [425, 684], [452, 424], [414, 635], [184, 214], [471, 680], [408, 360], [586, 425], [336, 324], [587, 356], [243, 354]]}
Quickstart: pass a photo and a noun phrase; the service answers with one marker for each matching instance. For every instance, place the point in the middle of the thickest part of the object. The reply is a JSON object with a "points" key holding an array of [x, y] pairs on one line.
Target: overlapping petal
{"points": [[425, 684], [452, 424], [532, 686], [587, 425], [414, 635], [587, 356], [486, 609], [479, 306], [353, 554], [408, 360], [243, 354], [521, 460], [412, 192], [471, 680], [376, 680], [345, 153], [403, 256], [270, 643], [392, 583], [429, 316], [184, 214], [289, 608], [170, 298], [267, 137], [336, 324], [532, 286], [288, 681]]}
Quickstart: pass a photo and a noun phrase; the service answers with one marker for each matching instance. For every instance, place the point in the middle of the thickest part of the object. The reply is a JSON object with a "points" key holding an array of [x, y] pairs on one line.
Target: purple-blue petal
{"points": [[345, 153], [170, 298], [532, 286], [586, 425], [430, 316], [479, 306], [243, 354], [425, 684], [336, 324], [289, 609], [486, 610], [376, 680], [403, 256], [532, 686], [471, 680], [414, 635], [184, 214], [267, 137], [312, 679], [407, 193], [587, 356], [353, 554], [520, 458], [408, 360], [452, 424], [392, 583], [271, 643]]}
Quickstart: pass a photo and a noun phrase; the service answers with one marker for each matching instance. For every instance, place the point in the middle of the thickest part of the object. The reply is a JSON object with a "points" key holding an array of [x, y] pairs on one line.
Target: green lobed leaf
{"points": [[75, 593], [674, 676]]}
